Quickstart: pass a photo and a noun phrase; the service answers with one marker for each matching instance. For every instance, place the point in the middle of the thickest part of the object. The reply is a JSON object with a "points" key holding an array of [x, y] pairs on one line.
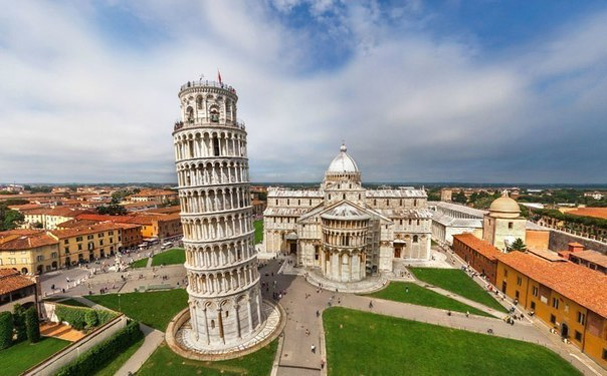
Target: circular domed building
{"points": [[504, 224]]}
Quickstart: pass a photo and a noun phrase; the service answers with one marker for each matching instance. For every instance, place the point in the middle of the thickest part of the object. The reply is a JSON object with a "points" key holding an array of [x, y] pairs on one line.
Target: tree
{"points": [[518, 245], [460, 197], [32, 325], [90, 317], [19, 322], [6, 330]]}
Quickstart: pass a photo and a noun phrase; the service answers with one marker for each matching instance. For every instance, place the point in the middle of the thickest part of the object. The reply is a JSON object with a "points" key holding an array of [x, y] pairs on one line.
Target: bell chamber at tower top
{"points": [[208, 104]]}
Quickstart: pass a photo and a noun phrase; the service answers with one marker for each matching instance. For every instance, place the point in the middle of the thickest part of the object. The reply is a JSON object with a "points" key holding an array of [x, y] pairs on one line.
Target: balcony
{"points": [[238, 124], [207, 83]]}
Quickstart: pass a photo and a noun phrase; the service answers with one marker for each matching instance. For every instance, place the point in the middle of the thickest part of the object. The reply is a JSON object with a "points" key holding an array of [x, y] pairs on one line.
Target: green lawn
{"points": [[114, 366], [165, 362], [22, 356], [458, 282], [155, 309], [140, 263], [170, 257], [396, 291], [361, 343], [258, 231], [73, 303]]}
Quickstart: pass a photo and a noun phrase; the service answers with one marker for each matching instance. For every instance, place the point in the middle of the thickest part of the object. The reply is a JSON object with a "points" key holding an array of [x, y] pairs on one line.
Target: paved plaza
{"points": [[302, 301]]}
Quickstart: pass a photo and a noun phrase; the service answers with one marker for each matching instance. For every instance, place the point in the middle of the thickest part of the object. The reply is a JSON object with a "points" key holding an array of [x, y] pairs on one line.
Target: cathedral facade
{"points": [[344, 231]]}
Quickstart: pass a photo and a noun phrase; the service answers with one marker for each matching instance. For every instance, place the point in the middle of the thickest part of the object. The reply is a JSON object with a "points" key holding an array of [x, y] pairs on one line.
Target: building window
{"points": [[510, 225], [533, 305], [517, 294], [581, 318], [505, 272], [66, 241], [80, 247], [555, 303], [604, 354], [578, 336], [415, 239], [79, 239], [519, 280], [535, 291], [553, 319]]}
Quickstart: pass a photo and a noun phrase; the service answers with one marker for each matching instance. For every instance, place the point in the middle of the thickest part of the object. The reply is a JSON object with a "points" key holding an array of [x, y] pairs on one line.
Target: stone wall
{"points": [[54, 363], [559, 241]]}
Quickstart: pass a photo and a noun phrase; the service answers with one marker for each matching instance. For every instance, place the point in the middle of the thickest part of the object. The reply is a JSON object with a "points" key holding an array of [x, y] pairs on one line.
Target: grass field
{"points": [[114, 366], [396, 291], [73, 303], [140, 263], [155, 309], [361, 343], [458, 282], [165, 362], [258, 231], [22, 356], [170, 257]]}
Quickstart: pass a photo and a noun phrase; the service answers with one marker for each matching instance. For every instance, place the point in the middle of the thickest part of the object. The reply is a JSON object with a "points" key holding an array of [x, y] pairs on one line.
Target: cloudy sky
{"points": [[440, 91]]}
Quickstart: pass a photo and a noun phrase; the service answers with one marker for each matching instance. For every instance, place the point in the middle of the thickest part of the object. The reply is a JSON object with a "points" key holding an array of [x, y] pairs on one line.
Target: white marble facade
{"points": [[345, 231], [221, 262]]}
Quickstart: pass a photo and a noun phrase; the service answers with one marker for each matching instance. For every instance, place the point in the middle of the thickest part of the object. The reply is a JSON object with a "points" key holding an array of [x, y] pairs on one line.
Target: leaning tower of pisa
{"points": [[225, 303]]}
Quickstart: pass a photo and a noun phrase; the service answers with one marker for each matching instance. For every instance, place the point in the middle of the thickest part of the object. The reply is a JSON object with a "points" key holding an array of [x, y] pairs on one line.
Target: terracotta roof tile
{"points": [[11, 280], [591, 256], [479, 245], [27, 242], [578, 283]]}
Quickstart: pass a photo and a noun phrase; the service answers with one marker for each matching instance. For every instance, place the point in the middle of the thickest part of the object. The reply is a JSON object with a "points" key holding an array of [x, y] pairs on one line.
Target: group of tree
{"points": [[570, 218], [111, 209], [517, 245], [18, 326], [38, 188], [10, 219]]}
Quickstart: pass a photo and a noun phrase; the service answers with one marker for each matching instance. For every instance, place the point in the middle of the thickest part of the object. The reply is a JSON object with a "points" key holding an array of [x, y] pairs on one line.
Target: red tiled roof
{"points": [[58, 211], [27, 242], [84, 230], [591, 256], [479, 245], [584, 286], [11, 280]]}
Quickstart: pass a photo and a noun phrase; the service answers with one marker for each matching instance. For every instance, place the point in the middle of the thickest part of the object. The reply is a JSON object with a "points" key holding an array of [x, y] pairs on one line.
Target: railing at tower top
{"points": [[207, 83], [236, 124]]}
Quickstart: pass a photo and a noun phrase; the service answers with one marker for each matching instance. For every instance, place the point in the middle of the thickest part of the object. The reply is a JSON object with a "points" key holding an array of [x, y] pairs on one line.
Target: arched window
{"points": [[199, 102], [212, 324], [215, 146], [415, 239], [189, 114], [214, 114]]}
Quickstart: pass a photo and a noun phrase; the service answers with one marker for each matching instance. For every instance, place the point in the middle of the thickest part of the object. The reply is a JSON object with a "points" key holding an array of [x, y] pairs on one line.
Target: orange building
{"points": [[570, 298], [479, 254]]}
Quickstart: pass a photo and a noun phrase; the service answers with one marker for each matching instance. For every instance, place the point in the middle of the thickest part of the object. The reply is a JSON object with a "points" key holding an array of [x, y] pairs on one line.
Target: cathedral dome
{"points": [[343, 163], [504, 207]]}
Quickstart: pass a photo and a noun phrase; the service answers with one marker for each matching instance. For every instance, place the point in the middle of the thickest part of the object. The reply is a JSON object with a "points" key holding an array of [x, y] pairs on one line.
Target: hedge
{"points": [[76, 316], [6, 330], [100, 355], [19, 322], [32, 324]]}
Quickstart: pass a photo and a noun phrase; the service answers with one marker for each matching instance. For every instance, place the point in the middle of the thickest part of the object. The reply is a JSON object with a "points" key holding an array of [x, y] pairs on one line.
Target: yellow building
{"points": [[29, 253], [570, 298], [88, 243], [49, 218]]}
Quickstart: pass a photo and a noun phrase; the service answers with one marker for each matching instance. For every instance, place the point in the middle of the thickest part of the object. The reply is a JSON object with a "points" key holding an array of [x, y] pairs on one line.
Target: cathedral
{"points": [[344, 231]]}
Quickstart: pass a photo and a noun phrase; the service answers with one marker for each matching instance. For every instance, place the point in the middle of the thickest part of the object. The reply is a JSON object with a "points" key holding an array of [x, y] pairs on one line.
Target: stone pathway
{"points": [[153, 339]]}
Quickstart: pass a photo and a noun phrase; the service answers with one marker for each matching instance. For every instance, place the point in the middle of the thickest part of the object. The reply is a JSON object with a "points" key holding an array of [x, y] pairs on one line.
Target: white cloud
{"points": [[74, 107]]}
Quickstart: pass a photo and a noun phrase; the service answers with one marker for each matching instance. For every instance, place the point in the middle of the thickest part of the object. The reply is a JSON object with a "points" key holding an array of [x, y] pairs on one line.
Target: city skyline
{"points": [[449, 92]]}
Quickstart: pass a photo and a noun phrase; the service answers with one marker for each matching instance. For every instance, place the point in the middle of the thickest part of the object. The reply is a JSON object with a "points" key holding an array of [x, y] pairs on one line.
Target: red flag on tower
{"points": [[219, 76]]}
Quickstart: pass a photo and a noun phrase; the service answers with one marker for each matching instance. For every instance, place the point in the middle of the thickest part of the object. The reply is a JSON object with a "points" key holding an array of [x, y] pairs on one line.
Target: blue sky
{"points": [[459, 91]]}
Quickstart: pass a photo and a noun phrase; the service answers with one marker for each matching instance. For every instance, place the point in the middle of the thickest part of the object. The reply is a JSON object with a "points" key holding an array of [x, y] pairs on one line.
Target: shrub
{"points": [[6, 330], [76, 316], [19, 322], [32, 325], [90, 317], [100, 355]]}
